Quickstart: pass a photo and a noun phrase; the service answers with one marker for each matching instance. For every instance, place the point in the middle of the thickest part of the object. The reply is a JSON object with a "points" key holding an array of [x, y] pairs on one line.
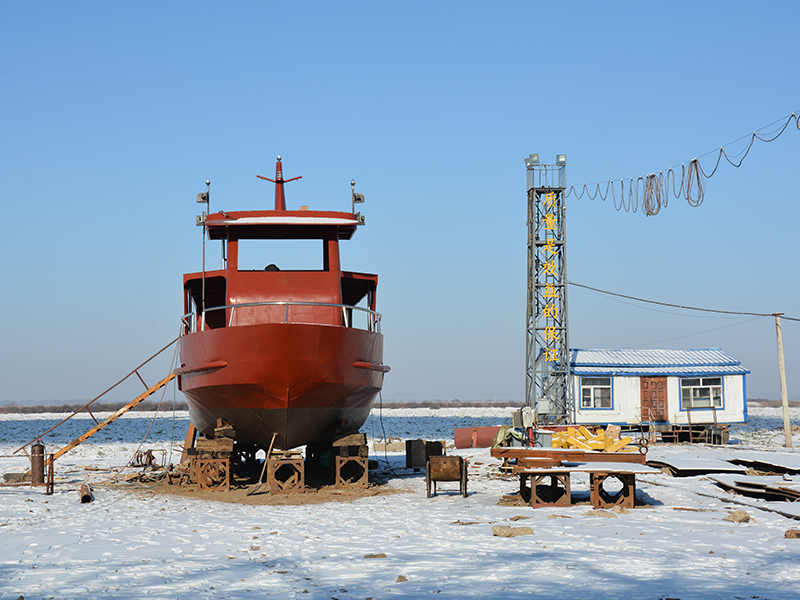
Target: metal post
{"points": [[787, 426], [204, 198], [208, 211]]}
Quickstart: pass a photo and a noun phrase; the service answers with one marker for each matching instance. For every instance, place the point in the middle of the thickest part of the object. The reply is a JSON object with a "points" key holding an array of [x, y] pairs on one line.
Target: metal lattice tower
{"points": [[547, 342]]}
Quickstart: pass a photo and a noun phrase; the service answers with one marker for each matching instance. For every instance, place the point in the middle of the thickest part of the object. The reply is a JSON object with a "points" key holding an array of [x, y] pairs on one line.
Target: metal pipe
{"points": [[50, 476], [86, 494], [37, 463]]}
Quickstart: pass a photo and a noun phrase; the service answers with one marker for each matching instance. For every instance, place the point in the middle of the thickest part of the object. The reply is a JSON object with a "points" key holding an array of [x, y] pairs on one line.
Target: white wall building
{"points": [[670, 389]]}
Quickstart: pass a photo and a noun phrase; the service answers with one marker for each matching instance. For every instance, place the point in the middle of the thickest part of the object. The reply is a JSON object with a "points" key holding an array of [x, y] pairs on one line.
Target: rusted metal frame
{"points": [[294, 483], [140, 379], [601, 498], [85, 406], [568, 455], [558, 493], [213, 474], [362, 462], [92, 415]]}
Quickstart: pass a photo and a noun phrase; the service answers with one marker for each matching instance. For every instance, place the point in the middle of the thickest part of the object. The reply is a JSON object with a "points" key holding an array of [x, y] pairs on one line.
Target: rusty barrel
{"points": [[445, 468], [37, 463]]}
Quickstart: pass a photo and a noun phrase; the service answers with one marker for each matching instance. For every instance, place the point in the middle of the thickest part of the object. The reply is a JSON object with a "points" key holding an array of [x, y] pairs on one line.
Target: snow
{"points": [[132, 543]]}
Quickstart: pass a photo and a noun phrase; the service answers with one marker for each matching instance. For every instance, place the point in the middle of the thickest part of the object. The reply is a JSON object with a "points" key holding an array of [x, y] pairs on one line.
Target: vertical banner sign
{"points": [[547, 343]]}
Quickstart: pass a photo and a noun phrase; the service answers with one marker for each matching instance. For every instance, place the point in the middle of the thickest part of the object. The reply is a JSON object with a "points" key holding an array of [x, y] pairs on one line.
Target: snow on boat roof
{"points": [[654, 362], [266, 220], [285, 220]]}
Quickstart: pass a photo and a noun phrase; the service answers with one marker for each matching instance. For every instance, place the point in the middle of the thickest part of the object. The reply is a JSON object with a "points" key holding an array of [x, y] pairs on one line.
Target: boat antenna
{"points": [[280, 199], [357, 199]]}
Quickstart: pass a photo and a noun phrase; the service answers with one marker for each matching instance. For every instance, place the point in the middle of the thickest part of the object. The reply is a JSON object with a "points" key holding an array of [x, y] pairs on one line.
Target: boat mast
{"points": [[280, 198], [201, 220]]}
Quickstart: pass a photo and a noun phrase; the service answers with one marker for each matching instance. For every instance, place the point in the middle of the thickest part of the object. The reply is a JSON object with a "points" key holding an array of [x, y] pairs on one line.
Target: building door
{"points": [[654, 398]]}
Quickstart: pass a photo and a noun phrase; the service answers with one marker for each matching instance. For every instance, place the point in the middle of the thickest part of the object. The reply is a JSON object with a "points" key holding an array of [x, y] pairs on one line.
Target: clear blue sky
{"points": [[114, 115]]}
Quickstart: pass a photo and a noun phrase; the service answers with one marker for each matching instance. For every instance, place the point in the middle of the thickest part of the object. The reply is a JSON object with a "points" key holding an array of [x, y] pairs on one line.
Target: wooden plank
{"points": [[569, 455], [354, 439], [214, 445]]}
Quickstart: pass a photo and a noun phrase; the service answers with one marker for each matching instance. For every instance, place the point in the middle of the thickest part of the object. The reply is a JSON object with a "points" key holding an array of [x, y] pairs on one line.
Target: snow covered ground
{"points": [[134, 543]]}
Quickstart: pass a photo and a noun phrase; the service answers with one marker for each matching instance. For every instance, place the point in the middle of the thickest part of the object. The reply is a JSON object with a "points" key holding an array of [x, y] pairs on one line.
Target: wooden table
{"points": [[558, 492]]}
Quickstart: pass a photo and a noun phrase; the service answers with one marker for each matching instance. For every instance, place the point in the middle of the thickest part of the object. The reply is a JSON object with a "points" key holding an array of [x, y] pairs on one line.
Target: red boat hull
{"points": [[295, 380]]}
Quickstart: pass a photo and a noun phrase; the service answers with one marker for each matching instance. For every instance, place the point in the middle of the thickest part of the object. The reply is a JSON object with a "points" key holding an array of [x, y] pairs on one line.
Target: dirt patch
{"points": [[310, 496]]}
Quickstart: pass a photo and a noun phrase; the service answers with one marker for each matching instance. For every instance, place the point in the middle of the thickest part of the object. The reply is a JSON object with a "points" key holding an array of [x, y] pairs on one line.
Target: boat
{"points": [[287, 351]]}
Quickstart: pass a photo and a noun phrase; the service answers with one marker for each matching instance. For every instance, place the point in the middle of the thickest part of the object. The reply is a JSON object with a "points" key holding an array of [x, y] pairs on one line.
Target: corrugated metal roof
{"points": [[654, 362]]}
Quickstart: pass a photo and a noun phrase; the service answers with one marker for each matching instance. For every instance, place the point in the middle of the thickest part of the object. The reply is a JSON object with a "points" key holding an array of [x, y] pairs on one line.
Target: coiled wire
{"points": [[652, 192]]}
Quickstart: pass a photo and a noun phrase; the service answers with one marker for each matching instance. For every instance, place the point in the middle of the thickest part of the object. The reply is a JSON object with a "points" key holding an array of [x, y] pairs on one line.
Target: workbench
{"points": [[536, 465]]}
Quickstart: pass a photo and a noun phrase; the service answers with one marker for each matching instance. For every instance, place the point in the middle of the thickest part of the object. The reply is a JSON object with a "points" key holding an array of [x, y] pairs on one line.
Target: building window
{"points": [[596, 392], [701, 392]]}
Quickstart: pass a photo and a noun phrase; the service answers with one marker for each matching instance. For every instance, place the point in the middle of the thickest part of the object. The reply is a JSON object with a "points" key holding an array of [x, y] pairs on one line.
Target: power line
{"points": [[680, 337], [711, 310], [652, 191]]}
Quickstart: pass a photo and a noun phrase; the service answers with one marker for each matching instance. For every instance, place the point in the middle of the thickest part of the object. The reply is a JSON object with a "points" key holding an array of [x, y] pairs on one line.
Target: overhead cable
{"points": [[712, 310], [652, 191]]}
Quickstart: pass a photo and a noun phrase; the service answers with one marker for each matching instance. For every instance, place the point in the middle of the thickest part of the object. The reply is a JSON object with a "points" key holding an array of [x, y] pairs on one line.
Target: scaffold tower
{"points": [[547, 341]]}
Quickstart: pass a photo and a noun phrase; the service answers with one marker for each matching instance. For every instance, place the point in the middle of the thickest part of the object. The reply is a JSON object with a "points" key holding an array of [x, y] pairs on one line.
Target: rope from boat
{"points": [[385, 439]]}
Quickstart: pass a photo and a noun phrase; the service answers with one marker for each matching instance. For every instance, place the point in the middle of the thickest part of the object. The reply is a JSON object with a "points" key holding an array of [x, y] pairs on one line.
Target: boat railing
{"points": [[373, 319]]}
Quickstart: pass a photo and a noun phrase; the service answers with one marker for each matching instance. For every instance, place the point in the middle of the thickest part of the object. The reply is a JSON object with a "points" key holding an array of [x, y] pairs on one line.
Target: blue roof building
{"points": [[657, 389]]}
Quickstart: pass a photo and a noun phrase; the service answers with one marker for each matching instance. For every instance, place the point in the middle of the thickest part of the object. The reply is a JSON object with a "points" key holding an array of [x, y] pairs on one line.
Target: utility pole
{"points": [[787, 425]]}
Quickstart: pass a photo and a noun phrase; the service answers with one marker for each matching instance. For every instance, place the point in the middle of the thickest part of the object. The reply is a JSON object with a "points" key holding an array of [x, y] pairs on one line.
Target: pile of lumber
{"points": [[605, 440]]}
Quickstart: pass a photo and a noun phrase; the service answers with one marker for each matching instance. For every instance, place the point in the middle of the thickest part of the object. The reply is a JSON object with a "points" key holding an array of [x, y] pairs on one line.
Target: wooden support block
{"points": [[286, 475], [213, 474], [602, 498], [204, 444], [558, 493], [354, 439], [352, 471]]}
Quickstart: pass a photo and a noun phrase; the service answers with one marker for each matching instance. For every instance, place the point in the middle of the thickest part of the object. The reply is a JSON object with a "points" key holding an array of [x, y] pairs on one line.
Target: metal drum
{"points": [[37, 463], [446, 468]]}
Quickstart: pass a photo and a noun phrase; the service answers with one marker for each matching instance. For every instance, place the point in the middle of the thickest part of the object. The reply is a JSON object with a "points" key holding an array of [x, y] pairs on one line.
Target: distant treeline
{"points": [[772, 403], [95, 408], [456, 404]]}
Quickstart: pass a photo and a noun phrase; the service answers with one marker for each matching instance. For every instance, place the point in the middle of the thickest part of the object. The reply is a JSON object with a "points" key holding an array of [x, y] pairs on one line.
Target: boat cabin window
{"points": [[282, 255]]}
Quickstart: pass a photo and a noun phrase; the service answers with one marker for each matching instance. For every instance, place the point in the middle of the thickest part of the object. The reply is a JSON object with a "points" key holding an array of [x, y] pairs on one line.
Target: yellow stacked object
{"points": [[582, 439]]}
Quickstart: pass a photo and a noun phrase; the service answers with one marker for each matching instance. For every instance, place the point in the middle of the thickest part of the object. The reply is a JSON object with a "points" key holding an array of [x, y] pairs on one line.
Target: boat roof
{"points": [[274, 223], [693, 362]]}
